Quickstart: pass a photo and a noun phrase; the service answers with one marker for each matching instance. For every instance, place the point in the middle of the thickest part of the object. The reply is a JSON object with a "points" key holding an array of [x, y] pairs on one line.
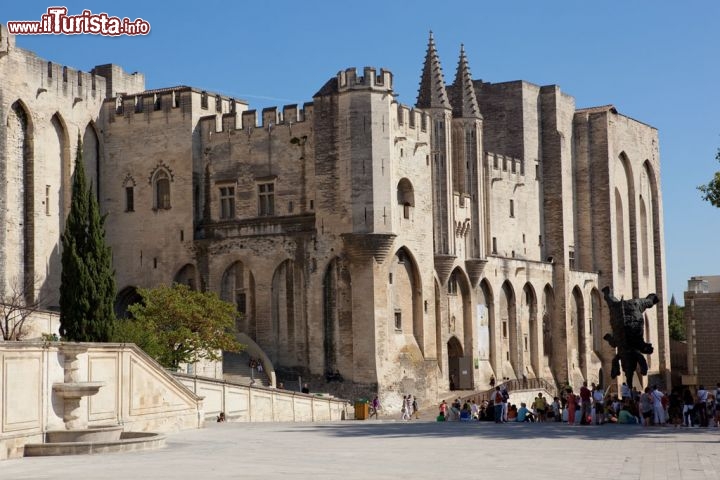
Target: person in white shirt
{"points": [[474, 410], [598, 396], [657, 396]]}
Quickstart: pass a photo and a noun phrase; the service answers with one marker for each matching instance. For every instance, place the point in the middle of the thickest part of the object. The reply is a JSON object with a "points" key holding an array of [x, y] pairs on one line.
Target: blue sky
{"points": [[656, 61]]}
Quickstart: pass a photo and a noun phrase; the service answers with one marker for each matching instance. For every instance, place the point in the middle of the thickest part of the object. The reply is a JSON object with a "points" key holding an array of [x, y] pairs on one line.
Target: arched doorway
{"points": [[238, 287], [187, 276], [455, 354], [126, 297]]}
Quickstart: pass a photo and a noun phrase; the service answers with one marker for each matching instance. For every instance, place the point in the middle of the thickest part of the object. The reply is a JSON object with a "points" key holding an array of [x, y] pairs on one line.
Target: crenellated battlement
{"points": [[180, 98], [7, 41], [503, 164], [268, 118], [63, 80], [349, 79], [165, 99], [56, 73], [411, 118]]}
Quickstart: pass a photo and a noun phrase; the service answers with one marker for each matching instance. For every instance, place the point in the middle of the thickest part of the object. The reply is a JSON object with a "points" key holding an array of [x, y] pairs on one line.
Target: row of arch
{"points": [[524, 335], [524, 331], [21, 177], [636, 225]]}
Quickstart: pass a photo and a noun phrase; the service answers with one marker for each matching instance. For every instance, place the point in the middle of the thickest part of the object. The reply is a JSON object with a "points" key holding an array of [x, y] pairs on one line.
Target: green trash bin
{"points": [[362, 410]]}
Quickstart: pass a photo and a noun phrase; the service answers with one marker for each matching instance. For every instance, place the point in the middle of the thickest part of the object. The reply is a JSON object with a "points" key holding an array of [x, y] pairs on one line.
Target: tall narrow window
{"points": [[227, 203], [47, 199], [494, 245], [452, 285], [196, 202], [512, 208], [398, 321], [266, 199], [241, 303], [571, 257], [129, 199], [162, 191]]}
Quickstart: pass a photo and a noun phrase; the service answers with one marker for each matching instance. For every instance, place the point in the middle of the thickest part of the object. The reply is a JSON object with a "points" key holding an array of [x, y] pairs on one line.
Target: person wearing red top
{"points": [[585, 403], [571, 403]]}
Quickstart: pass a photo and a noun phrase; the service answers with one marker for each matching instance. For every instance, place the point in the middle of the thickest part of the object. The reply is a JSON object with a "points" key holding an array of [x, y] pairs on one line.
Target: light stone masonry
{"points": [[407, 249]]}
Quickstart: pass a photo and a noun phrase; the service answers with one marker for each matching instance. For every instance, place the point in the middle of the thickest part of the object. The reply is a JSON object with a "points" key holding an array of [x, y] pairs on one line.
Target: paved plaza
{"points": [[400, 450]]}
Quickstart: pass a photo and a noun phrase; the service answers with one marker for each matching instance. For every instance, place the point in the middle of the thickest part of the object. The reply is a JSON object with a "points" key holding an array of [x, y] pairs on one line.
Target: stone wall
{"points": [[243, 403], [701, 327], [46, 106], [137, 393], [354, 234]]}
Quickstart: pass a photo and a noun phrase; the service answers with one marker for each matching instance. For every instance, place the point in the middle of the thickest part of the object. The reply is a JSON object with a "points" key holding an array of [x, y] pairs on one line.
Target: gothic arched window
{"points": [[161, 187]]}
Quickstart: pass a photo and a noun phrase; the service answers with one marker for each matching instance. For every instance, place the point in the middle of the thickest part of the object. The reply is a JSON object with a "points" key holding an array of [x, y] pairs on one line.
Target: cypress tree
{"points": [[87, 288]]}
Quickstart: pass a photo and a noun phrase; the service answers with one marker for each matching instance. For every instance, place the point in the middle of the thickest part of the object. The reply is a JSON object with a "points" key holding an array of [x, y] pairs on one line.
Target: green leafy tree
{"points": [[711, 191], [675, 320], [178, 325], [87, 288]]}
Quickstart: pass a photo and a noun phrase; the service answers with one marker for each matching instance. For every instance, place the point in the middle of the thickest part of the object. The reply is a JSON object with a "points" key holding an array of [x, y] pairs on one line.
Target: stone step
{"points": [[236, 369]]}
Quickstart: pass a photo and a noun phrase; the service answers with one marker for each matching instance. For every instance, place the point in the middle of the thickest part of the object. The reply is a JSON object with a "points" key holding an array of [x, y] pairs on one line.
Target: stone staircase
{"points": [[236, 369]]}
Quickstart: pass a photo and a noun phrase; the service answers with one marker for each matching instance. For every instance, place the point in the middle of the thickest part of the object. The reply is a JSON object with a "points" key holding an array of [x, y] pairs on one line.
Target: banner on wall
{"points": [[483, 331]]}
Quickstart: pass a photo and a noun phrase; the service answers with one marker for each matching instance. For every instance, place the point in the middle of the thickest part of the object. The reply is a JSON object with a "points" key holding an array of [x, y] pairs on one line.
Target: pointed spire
{"points": [[463, 99], [432, 92]]}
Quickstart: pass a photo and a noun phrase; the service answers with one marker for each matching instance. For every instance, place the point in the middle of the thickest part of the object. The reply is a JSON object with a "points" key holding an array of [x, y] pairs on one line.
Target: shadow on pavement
{"points": [[487, 430]]}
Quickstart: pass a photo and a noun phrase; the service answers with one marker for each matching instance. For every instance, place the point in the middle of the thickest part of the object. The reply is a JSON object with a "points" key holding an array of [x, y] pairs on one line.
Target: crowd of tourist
{"points": [[409, 408], [593, 405]]}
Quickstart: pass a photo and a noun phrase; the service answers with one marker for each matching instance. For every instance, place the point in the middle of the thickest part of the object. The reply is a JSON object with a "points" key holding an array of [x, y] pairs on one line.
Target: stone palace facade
{"points": [[402, 246]]}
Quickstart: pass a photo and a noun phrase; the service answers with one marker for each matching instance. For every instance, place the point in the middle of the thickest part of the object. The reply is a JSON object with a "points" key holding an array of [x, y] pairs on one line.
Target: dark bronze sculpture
{"points": [[628, 325]]}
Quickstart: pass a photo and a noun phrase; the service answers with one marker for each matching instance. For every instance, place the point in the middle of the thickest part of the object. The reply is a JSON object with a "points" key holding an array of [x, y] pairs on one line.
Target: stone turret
{"points": [[433, 98], [7, 41], [432, 92], [462, 94], [467, 132]]}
